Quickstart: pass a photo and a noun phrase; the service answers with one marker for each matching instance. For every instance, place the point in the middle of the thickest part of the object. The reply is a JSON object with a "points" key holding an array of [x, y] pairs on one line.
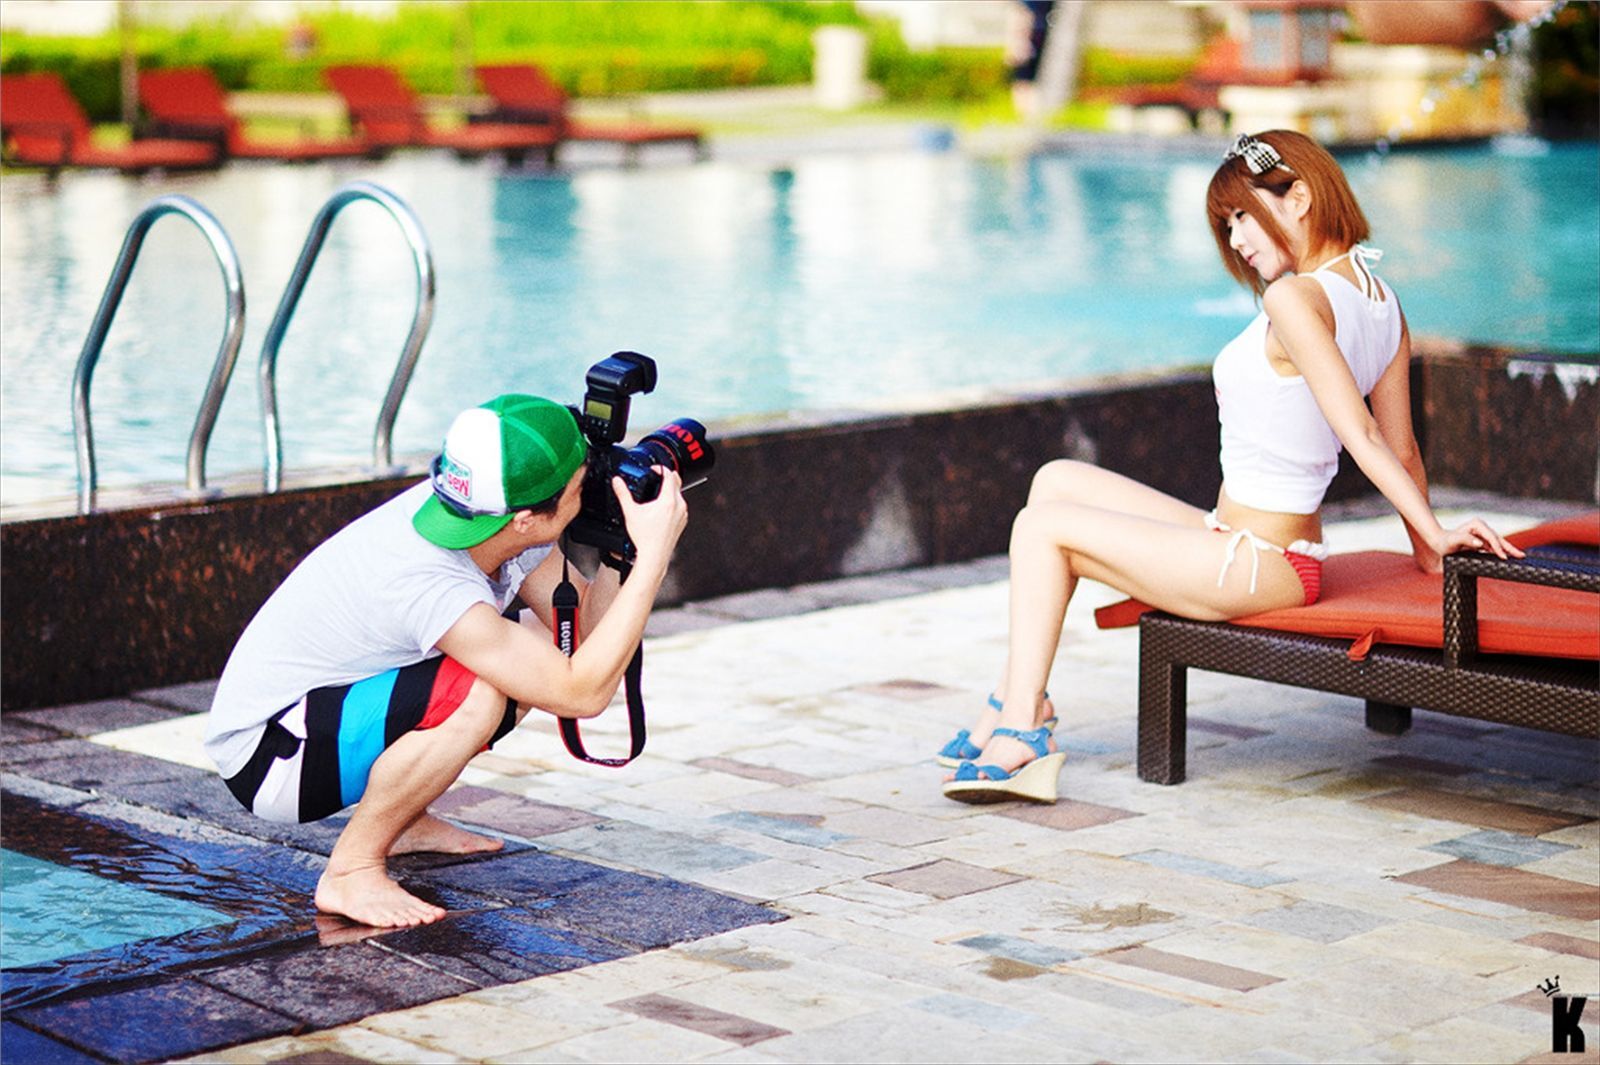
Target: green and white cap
{"points": [[512, 453]]}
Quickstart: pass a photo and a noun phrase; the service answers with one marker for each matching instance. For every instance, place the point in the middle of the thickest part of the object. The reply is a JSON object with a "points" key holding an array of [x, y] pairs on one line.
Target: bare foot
{"points": [[430, 833], [333, 931], [367, 895]]}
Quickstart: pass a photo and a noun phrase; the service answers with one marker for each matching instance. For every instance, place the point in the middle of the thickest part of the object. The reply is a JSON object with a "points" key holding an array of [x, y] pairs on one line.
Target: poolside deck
{"points": [[1315, 891]]}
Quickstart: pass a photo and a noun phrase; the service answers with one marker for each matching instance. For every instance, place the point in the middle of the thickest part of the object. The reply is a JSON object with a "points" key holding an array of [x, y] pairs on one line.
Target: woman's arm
{"points": [[1391, 409], [1292, 306]]}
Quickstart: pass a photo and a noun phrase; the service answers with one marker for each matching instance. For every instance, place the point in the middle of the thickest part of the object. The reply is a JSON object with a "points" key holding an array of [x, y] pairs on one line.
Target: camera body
{"points": [[679, 445]]}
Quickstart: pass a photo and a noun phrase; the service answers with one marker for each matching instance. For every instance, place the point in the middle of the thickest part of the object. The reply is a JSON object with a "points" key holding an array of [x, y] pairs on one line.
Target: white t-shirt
{"points": [[374, 597]]}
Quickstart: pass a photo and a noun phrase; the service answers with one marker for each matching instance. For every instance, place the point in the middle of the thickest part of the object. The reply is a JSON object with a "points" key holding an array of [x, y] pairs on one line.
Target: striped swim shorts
{"points": [[314, 756]]}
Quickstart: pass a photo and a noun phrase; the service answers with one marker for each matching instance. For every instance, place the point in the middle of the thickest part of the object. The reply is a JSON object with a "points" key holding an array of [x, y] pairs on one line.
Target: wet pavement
{"points": [[779, 879]]}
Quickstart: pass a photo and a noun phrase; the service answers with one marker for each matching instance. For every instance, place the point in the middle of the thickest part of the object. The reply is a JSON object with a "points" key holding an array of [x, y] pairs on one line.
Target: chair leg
{"points": [[1163, 719], [1388, 718]]}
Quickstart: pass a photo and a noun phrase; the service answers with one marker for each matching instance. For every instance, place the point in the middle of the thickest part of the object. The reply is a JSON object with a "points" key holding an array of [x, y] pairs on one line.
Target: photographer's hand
{"points": [[654, 527]]}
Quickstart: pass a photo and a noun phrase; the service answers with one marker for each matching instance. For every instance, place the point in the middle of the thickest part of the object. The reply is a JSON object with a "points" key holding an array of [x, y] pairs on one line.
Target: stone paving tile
{"points": [[1444, 948], [85, 765], [1450, 806], [1316, 921], [1225, 728], [893, 826], [1499, 848], [985, 1015], [1076, 743], [1184, 863], [788, 830], [369, 980], [905, 689], [668, 853], [1414, 763], [1456, 1039], [1019, 949], [87, 719], [733, 1028], [944, 879], [1514, 887], [774, 879], [884, 1036], [641, 912], [813, 762], [505, 945], [193, 698], [155, 1022], [754, 772], [1117, 995], [1206, 972], [639, 1041], [1579, 866], [14, 731], [672, 622], [23, 1045], [465, 1027], [511, 814], [1564, 944], [1068, 814]]}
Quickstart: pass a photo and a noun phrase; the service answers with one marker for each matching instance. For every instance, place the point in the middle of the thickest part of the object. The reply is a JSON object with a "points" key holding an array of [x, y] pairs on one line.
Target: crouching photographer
{"points": [[385, 662]]}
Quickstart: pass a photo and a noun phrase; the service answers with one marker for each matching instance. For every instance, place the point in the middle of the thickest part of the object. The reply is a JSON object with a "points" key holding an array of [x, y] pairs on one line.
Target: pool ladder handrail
{"points": [[422, 318], [221, 370]]}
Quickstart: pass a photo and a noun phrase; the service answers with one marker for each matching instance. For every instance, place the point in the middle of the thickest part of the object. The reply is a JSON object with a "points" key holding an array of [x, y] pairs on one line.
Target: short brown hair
{"points": [[1335, 215]]}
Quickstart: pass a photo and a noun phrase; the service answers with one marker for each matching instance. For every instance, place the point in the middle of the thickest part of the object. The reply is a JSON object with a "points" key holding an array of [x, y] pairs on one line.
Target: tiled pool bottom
{"points": [[261, 962]]}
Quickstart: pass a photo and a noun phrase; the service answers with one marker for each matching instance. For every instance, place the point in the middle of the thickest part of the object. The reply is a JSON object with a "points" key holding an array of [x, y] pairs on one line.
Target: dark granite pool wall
{"points": [[154, 595]]}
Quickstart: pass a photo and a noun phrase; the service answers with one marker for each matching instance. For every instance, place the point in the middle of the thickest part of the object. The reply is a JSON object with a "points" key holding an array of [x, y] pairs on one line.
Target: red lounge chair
{"points": [[387, 113], [1520, 650], [42, 125], [188, 103], [524, 93]]}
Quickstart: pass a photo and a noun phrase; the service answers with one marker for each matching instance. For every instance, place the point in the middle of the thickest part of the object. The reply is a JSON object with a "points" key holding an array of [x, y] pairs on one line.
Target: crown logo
{"points": [[1550, 986]]}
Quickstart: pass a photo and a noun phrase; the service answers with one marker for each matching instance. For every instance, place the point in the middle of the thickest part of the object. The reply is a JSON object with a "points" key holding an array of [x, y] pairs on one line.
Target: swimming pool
{"points": [[50, 911], [834, 282]]}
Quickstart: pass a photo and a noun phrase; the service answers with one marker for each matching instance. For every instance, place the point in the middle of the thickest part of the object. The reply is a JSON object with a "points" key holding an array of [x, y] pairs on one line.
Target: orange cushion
{"points": [[1583, 529], [1381, 596]]}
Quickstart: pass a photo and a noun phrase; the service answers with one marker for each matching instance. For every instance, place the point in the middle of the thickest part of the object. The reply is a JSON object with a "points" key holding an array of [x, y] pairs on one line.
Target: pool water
{"points": [[50, 911], [834, 282]]}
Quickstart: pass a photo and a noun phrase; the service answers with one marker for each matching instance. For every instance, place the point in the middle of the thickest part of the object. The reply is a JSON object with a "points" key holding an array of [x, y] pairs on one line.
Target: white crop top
{"points": [[1278, 451]]}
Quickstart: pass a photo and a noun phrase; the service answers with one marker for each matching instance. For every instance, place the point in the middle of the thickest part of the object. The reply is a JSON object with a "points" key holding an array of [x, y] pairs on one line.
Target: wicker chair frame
{"points": [[1552, 694]]}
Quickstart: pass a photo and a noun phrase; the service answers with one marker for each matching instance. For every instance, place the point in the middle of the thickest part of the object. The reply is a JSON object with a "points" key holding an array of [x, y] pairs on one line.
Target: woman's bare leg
{"points": [[1171, 566], [1036, 575]]}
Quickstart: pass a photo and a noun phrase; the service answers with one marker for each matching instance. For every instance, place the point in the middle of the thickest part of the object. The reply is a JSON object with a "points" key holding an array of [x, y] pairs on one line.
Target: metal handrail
{"points": [[422, 256], [221, 370]]}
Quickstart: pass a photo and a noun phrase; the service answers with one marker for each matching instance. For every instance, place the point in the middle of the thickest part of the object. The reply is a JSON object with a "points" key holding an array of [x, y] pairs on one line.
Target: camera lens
{"points": [[679, 445]]}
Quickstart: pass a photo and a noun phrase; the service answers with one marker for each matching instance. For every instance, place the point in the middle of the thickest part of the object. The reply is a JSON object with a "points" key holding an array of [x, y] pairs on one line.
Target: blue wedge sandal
{"points": [[1035, 781], [962, 749]]}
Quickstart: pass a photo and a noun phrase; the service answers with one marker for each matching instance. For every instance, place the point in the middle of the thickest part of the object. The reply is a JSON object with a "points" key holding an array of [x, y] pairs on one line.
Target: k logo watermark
{"points": [[1565, 1013]]}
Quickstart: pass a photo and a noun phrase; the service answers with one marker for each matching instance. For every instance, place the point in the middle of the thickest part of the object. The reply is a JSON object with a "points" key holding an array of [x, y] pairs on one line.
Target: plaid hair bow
{"points": [[1259, 156]]}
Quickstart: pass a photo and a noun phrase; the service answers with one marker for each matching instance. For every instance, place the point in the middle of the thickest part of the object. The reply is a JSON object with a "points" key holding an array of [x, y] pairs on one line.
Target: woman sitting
{"points": [[1292, 389]]}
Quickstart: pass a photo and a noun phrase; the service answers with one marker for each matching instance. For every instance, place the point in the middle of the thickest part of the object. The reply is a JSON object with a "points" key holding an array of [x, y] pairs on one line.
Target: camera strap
{"points": [[564, 606]]}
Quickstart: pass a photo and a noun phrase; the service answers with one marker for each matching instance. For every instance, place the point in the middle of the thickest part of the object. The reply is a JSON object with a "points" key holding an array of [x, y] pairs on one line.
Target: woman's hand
{"points": [[1471, 535]]}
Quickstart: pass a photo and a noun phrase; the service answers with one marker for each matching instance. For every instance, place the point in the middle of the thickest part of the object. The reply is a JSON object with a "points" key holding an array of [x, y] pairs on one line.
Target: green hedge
{"points": [[592, 47], [1102, 67]]}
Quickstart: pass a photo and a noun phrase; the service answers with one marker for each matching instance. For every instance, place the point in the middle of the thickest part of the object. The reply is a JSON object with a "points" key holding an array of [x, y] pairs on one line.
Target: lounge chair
{"points": [[525, 94], [188, 103], [1522, 650], [388, 115], [42, 125]]}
